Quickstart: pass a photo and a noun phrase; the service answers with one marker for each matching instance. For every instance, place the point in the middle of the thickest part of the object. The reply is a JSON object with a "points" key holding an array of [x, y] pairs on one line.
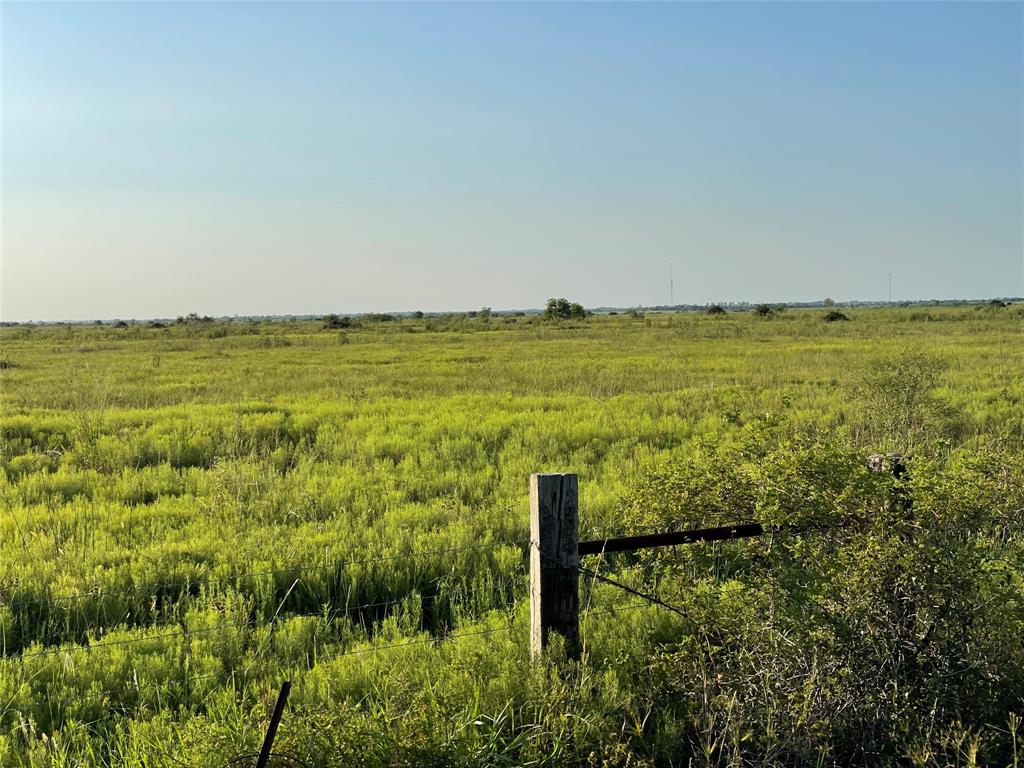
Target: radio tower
{"points": [[671, 288]]}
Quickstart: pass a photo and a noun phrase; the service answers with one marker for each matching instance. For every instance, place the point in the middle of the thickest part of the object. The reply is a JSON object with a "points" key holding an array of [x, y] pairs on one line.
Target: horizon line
{"points": [[601, 309]]}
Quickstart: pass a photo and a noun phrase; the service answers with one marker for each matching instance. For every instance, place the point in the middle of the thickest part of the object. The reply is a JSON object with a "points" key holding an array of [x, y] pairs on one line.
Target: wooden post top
{"points": [[554, 518]]}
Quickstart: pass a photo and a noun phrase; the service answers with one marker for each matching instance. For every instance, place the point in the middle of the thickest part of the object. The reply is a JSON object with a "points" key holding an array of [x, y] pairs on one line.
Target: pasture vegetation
{"points": [[191, 513]]}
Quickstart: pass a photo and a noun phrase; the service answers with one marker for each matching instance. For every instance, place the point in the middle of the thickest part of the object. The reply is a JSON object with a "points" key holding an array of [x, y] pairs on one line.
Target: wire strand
{"points": [[104, 699], [185, 633], [146, 590], [625, 588]]}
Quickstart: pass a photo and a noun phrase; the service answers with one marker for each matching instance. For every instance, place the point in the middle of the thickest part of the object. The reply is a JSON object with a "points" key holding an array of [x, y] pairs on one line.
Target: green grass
{"points": [[219, 487]]}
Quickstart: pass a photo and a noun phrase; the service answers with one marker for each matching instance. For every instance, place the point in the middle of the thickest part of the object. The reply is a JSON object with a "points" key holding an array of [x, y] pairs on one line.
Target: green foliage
{"points": [[193, 318], [211, 492], [899, 407], [870, 641], [334, 321], [563, 309]]}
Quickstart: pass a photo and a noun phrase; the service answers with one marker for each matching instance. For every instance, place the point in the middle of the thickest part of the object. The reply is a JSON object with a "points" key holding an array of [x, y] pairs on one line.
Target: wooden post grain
{"points": [[554, 561]]}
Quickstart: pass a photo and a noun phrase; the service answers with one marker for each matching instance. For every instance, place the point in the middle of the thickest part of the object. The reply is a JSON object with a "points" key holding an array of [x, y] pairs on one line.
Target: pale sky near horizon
{"points": [[275, 158]]}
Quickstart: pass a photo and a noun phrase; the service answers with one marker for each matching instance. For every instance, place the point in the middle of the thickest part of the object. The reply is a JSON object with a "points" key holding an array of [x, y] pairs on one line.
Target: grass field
{"points": [[192, 514]]}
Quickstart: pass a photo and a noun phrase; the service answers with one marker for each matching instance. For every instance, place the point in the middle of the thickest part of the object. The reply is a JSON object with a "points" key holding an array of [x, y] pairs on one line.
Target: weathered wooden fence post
{"points": [[554, 561]]}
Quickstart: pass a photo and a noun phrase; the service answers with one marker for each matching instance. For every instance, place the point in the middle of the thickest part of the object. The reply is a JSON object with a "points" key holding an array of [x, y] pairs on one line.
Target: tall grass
{"points": [[227, 483]]}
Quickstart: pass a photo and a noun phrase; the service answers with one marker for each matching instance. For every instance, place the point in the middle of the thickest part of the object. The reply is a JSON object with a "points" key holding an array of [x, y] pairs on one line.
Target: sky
{"points": [[276, 158]]}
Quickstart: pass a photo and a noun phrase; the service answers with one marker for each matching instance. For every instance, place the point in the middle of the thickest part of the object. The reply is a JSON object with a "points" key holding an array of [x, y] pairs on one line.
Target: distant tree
{"points": [[828, 303], [763, 310], [333, 321], [120, 324], [834, 316], [715, 309], [417, 315], [556, 308], [485, 313], [193, 317], [998, 304], [563, 309]]}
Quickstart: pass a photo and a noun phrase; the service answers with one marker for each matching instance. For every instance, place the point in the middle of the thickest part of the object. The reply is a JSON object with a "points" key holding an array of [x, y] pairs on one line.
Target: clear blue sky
{"points": [[232, 158]]}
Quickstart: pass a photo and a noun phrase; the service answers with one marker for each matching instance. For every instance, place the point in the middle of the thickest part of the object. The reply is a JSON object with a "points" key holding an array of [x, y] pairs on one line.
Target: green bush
{"points": [[871, 631]]}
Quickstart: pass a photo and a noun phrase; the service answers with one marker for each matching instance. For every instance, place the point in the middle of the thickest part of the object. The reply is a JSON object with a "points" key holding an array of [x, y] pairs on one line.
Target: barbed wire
{"points": [[104, 698], [154, 590], [188, 633], [616, 609], [120, 711], [653, 599], [251, 622], [146, 590], [130, 641], [650, 600], [430, 640]]}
